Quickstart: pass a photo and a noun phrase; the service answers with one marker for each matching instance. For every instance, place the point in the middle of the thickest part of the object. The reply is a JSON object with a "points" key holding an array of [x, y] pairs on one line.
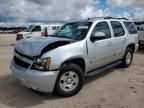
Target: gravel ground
{"points": [[116, 88]]}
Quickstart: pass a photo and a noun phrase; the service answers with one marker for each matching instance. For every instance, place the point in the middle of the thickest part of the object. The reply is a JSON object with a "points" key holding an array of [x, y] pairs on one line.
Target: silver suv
{"points": [[84, 48]]}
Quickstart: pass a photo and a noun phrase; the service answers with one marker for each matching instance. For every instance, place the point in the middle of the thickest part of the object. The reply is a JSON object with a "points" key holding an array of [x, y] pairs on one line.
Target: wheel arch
{"points": [[132, 46], [78, 61]]}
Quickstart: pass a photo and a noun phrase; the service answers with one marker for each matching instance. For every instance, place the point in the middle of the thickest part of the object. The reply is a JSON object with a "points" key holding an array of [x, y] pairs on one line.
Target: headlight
{"points": [[42, 64]]}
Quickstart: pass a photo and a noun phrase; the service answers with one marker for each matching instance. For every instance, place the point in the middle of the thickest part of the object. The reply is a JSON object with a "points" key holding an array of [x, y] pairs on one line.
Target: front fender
{"points": [[65, 53]]}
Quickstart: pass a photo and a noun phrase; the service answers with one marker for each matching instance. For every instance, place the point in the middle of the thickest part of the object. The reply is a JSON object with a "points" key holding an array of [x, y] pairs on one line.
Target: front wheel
{"points": [[70, 80], [128, 57]]}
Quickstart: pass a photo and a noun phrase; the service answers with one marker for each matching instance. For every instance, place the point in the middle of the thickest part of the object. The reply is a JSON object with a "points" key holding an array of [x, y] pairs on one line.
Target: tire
{"points": [[69, 81], [128, 57]]}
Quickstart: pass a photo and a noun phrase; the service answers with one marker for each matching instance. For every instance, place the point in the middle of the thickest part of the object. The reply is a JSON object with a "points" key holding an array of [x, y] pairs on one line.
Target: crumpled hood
{"points": [[34, 46]]}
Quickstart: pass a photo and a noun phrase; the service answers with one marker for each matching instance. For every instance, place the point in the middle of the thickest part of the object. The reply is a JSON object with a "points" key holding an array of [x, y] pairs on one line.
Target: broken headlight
{"points": [[42, 64]]}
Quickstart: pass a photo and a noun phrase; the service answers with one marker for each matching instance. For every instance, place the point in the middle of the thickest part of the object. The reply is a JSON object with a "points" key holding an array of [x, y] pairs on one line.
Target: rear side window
{"points": [[55, 27], [117, 29], [36, 29], [130, 27]]}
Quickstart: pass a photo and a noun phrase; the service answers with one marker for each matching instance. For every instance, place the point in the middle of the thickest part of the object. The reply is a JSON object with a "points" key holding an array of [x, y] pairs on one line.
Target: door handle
{"points": [[109, 44]]}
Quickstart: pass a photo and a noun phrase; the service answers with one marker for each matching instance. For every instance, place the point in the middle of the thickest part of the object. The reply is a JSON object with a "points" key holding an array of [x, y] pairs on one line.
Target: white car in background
{"points": [[141, 36], [37, 30]]}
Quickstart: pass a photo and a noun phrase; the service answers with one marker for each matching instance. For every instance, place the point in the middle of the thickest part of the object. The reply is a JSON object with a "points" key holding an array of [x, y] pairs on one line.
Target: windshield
{"points": [[29, 28], [75, 30]]}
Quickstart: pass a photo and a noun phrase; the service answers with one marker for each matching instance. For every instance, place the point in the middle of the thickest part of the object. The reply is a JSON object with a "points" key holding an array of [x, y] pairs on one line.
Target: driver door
{"points": [[100, 52]]}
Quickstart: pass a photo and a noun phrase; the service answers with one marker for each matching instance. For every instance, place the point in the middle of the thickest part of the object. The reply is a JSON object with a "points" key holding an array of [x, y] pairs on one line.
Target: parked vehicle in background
{"points": [[140, 28], [141, 37], [11, 30], [85, 48], [1, 31], [37, 30], [17, 31]]}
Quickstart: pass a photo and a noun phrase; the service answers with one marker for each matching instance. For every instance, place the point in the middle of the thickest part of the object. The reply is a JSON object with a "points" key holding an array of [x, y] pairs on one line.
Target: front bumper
{"points": [[37, 80]]}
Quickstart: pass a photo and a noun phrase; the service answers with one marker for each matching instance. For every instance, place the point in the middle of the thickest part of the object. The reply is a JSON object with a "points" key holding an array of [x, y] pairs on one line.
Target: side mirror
{"points": [[97, 36]]}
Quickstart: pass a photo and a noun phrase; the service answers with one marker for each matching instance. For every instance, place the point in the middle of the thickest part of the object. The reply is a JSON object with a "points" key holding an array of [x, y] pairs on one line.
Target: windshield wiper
{"points": [[62, 36]]}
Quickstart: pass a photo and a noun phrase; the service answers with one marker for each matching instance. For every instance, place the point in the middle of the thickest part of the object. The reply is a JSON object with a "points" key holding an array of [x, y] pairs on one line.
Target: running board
{"points": [[105, 68]]}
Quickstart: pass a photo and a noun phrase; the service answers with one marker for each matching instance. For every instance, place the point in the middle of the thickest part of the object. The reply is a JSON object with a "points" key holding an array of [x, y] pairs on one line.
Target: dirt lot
{"points": [[116, 88]]}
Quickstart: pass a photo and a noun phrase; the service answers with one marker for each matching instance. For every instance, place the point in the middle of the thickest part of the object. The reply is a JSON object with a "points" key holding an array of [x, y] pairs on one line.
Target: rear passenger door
{"points": [[119, 39]]}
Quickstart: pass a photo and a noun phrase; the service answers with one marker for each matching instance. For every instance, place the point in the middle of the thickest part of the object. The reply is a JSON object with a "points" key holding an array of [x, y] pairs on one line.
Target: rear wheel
{"points": [[69, 81], [128, 57]]}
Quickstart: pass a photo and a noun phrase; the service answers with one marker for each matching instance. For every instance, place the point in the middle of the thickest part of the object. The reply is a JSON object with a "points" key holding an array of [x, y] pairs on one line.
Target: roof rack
{"points": [[95, 18], [108, 17]]}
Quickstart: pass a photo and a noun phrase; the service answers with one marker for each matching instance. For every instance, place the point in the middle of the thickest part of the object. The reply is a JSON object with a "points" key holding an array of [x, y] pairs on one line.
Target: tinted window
{"points": [[117, 29], [55, 27], [130, 27], [36, 28], [102, 27], [29, 28]]}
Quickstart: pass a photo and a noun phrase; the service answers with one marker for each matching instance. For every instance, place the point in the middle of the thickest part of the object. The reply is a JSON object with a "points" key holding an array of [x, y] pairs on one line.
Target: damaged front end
{"points": [[54, 45], [28, 52]]}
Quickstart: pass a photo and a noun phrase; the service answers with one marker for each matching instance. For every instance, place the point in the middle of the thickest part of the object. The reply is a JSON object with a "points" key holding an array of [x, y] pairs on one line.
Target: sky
{"points": [[65, 10]]}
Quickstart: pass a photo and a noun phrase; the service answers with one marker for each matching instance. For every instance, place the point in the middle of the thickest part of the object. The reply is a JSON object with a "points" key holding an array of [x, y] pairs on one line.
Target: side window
{"points": [[130, 27], [36, 29], [55, 27], [102, 27], [117, 29]]}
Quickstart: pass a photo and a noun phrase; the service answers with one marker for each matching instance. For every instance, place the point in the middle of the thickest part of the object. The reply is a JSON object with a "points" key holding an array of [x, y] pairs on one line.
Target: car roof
{"points": [[94, 19]]}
